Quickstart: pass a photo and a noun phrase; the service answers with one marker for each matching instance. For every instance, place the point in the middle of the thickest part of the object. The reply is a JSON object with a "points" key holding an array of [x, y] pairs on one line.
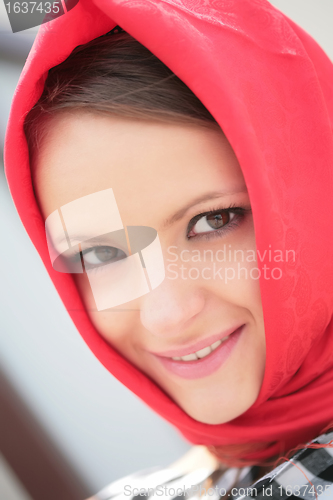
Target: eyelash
{"points": [[77, 256], [240, 212]]}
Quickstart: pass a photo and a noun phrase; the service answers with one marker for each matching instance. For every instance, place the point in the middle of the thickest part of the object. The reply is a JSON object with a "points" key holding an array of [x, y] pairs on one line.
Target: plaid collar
{"points": [[308, 474]]}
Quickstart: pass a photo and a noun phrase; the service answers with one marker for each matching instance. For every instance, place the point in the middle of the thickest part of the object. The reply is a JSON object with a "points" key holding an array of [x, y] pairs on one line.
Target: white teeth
{"points": [[200, 354], [216, 344], [189, 357], [203, 352]]}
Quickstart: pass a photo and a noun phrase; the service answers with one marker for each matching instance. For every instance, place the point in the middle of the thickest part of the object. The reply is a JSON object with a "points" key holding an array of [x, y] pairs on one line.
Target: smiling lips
{"points": [[201, 360], [202, 353]]}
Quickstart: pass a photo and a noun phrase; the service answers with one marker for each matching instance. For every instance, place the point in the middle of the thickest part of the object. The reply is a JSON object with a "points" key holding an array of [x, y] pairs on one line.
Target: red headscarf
{"points": [[270, 87]]}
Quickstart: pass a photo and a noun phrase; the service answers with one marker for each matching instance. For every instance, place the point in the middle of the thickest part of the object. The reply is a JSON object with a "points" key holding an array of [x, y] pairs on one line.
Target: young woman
{"points": [[182, 168]]}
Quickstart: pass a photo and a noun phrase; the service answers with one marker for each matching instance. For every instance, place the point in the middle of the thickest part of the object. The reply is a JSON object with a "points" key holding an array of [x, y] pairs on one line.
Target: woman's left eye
{"points": [[102, 255], [212, 222], [215, 221]]}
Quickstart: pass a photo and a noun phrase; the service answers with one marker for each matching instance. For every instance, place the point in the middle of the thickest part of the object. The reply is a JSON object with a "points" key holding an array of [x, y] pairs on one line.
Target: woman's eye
{"points": [[102, 255], [212, 222]]}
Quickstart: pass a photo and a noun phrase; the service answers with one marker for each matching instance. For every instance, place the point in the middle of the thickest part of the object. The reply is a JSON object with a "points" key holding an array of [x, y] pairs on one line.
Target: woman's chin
{"points": [[211, 416], [207, 411]]}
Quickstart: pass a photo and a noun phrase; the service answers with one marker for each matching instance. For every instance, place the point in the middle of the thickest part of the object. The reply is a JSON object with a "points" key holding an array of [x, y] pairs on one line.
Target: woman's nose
{"points": [[170, 308]]}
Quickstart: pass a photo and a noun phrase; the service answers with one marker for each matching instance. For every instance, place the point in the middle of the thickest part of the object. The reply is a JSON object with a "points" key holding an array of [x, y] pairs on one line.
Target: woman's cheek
{"points": [[110, 323]]}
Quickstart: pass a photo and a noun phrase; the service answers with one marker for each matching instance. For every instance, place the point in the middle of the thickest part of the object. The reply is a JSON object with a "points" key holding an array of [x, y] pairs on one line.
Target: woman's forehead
{"points": [[143, 162]]}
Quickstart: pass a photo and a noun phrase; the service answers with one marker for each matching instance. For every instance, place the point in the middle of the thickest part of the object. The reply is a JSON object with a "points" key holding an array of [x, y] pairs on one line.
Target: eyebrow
{"points": [[82, 238], [207, 196]]}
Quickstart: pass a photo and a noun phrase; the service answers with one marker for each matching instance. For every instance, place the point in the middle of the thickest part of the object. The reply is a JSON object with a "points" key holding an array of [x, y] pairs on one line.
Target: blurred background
{"points": [[67, 427]]}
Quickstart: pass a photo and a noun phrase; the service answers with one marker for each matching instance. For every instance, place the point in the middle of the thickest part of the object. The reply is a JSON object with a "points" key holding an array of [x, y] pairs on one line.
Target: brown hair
{"points": [[115, 74]]}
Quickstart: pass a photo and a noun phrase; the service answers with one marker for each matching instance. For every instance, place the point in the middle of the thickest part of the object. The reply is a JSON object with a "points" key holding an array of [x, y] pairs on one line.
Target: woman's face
{"points": [[168, 176]]}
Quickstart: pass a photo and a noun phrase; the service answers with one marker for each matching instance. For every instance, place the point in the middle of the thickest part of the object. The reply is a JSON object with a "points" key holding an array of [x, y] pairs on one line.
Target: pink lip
{"points": [[205, 366], [183, 351]]}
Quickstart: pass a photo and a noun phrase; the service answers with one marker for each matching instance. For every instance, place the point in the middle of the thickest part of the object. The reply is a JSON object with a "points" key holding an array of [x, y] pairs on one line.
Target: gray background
{"points": [[103, 429]]}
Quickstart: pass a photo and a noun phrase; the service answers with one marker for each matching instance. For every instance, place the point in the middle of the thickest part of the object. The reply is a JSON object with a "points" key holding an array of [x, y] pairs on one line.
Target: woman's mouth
{"points": [[202, 353], [194, 363]]}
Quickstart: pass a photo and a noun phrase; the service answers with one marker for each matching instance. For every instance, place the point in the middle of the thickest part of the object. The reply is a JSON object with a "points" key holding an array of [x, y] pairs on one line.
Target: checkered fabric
{"points": [[308, 475]]}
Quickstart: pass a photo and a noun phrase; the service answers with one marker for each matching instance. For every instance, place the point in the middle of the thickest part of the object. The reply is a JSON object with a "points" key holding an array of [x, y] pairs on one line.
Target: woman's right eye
{"points": [[97, 256]]}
